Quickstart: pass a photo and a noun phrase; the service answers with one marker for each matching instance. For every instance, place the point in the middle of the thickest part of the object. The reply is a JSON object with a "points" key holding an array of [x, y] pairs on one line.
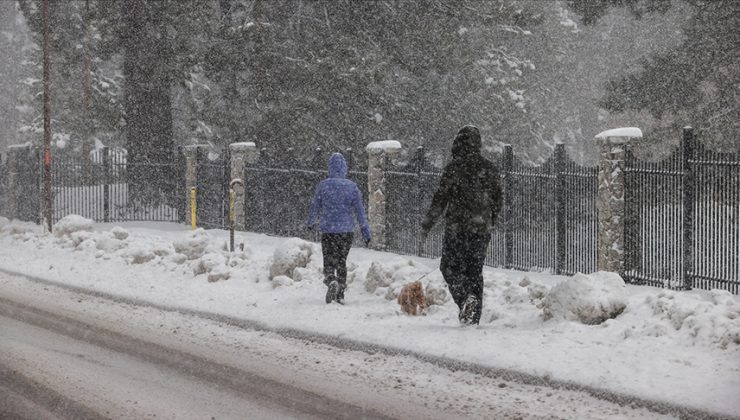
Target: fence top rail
{"points": [[589, 174], [534, 174], [654, 171], [715, 162]]}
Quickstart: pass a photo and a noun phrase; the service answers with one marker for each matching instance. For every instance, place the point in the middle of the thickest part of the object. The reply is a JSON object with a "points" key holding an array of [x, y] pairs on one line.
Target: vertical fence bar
{"points": [[199, 186], [418, 194], [689, 184], [560, 207], [508, 207], [106, 181]]}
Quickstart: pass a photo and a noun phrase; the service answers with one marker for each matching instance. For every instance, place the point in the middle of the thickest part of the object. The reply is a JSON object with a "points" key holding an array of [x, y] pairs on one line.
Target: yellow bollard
{"points": [[193, 208]]}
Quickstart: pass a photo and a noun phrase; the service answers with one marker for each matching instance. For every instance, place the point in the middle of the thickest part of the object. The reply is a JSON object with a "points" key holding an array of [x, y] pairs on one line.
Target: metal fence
{"points": [[280, 189], [99, 188], [547, 222], [683, 219], [26, 185], [213, 174], [3, 186]]}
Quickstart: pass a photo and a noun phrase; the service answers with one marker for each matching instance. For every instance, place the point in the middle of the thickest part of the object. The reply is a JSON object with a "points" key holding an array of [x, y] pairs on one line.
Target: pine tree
{"points": [[695, 84]]}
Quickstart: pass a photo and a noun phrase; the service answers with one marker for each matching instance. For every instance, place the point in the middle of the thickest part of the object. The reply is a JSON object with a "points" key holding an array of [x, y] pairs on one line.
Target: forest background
{"points": [[151, 75]]}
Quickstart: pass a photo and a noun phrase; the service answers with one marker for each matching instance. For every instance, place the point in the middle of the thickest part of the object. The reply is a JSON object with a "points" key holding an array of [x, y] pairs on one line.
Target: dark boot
{"points": [[470, 311], [331, 291], [340, 294]]}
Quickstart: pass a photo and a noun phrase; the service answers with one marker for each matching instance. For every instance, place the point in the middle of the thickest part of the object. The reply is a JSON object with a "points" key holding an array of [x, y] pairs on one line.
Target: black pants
{"points": [[335, 247], [463, 255]]}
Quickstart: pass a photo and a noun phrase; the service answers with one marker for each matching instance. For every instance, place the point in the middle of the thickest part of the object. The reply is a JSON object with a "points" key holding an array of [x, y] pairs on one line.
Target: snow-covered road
{"points": [[119, 360]]}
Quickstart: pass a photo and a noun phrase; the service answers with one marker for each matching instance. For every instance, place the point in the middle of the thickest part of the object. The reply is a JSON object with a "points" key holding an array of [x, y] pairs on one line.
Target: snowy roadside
{"points": [[679, 348]]}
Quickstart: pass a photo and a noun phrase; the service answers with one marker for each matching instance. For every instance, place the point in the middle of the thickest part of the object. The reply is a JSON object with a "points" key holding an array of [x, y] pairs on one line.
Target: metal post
{"points": [[560, 207], [508, 206], [47, 116], [689, 185], [106, 185]]}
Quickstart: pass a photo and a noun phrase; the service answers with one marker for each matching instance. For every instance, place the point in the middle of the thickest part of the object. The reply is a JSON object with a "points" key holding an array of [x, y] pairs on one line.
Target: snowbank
{"points": [[589, 299], [387, 279], [295, 253], [654, 343], [194, 245], [71, 224]]}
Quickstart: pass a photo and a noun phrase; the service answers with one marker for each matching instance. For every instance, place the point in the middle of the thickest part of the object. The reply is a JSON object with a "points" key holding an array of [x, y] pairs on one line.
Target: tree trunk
{"points": [[148, 106]]}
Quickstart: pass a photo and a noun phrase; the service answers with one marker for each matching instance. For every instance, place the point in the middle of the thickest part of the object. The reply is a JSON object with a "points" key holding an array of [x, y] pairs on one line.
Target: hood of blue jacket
{"points": [[337, 166]]}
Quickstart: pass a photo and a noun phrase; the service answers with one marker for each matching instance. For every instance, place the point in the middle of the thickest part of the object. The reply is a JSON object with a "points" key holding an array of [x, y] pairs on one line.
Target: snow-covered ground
{"points": [[681, 348]]}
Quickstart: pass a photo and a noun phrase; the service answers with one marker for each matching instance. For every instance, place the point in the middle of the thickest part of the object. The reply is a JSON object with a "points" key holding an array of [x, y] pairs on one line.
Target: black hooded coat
{"points": [[469, 193], [469, 196]]}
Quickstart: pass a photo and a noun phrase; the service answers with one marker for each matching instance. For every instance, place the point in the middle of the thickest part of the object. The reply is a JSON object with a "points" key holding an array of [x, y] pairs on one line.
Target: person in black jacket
{"points": [[469, 196]]}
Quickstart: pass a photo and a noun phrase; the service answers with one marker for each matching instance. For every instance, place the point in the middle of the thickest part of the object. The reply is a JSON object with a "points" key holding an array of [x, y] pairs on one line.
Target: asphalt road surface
{"points": [[69, 355]]}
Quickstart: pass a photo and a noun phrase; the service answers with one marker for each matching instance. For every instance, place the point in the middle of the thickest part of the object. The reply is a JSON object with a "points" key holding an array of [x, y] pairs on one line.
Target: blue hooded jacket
{"points": [[334, 200]]}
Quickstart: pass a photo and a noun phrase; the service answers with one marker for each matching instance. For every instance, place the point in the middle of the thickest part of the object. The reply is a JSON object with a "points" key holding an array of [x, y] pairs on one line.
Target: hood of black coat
{"points": [[467, 142]]}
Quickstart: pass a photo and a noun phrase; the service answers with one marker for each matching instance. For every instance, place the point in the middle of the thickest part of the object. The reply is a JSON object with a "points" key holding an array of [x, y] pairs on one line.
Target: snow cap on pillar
{"points": [[383, 146], [620, 135]]}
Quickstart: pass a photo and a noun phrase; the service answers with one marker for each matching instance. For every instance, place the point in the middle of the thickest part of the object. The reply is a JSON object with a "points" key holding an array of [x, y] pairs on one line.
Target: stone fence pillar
{"points": [[193, 155], [381, 155], [241, 154], [610, 203]]}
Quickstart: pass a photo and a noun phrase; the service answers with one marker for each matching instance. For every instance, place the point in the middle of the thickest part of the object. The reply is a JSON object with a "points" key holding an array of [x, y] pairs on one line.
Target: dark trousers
{"points": [[463, 255], [335, 247]]}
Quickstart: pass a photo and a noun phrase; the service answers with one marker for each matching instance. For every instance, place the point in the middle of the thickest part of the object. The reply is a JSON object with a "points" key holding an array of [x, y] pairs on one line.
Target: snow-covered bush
{"points": [[588, 299], [3, 222], [291, 254], [71, 224], [194, 246]]}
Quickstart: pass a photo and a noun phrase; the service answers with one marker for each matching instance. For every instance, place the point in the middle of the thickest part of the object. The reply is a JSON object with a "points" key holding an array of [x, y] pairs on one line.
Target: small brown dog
{"points": [[412, 299]]}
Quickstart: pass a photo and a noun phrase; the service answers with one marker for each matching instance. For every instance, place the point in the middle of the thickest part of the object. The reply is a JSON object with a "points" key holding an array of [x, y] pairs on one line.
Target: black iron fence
{"points": [[22, 179], [99, 188], [213, 174], [3, 186], [683, 219], [279, 190], [547, 222], [682, 214]]}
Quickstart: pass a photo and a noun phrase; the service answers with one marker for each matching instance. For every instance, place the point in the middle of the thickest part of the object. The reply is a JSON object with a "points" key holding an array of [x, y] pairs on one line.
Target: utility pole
{"points": [[47, 118]]}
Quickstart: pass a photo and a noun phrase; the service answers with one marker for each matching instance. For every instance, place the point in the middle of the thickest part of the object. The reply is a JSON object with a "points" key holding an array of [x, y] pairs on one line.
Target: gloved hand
{"points": [[426, 226], [367, 242]]}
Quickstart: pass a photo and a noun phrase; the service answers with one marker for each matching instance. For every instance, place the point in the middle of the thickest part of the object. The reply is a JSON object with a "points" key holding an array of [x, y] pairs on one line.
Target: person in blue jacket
{"points": [[334, 201]]}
